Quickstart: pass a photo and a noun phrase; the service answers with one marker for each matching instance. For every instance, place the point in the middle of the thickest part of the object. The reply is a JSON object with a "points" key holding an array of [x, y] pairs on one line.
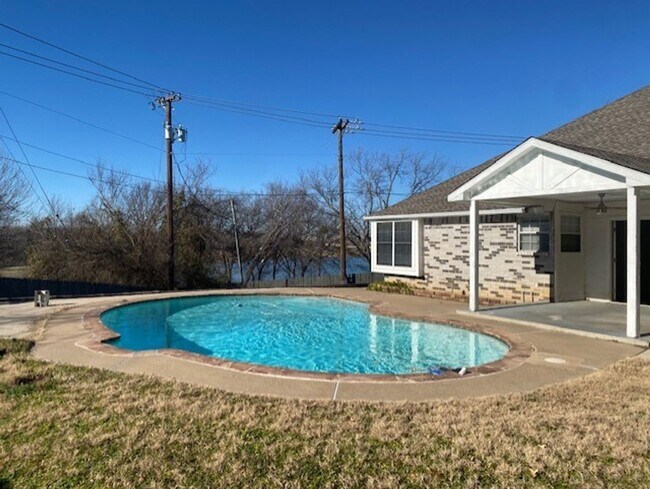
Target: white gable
{"points": [[540, 172], [537, 168]]}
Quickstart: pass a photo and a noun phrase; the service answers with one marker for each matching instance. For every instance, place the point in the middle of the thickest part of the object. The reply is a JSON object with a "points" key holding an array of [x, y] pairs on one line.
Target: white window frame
{"points": [[521, 231], [415, 270]]}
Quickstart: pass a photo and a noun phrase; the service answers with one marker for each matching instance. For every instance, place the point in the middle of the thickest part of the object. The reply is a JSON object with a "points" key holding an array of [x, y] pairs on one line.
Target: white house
{"points": [[564, 216]]}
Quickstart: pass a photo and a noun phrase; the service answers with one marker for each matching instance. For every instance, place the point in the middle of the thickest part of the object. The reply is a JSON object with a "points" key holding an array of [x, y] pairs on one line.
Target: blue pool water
{"points": [[302, 333]]}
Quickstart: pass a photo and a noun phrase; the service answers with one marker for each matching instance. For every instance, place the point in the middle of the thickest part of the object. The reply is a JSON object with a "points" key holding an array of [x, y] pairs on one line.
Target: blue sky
{"points": [[514, 68]]}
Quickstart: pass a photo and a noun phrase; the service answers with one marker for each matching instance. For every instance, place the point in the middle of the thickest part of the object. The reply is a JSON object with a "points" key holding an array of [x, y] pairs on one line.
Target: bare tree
{"points": [[14, 192], [374, 180], [14, 203], [119, 237]]}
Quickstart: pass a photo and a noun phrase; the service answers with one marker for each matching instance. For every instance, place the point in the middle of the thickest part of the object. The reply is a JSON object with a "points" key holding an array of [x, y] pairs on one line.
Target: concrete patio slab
{"points": [[598, 319], [65, 338]]}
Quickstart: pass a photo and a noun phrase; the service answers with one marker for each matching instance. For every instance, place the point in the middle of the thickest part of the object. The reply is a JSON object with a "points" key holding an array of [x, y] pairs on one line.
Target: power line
{"points": [[443, 140], [28, 180], [71, 53], [61, 63], [256, 110], [77, 75], [81, 121], [143, 143], [262, 114], [78, 160], [433, 131], [221, 103], [226, 153], [27, 159], [468, 138], [70, 174], [454, 137], [202, 98]]}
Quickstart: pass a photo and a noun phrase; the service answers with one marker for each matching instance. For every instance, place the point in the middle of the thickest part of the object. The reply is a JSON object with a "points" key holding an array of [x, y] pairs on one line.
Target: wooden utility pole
{"points": [[340, 128], [234, 222], [166, 103]]}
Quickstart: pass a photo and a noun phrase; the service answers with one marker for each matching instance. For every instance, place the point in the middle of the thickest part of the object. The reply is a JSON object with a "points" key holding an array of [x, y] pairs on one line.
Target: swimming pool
{"points": [[315, 334]]}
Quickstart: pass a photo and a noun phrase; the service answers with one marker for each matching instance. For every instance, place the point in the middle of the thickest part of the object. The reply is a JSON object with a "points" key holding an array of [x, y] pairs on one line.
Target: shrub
{"points": [[391, 287]]}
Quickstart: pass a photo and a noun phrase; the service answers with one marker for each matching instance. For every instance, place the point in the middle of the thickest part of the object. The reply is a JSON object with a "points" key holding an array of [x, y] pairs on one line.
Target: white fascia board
{"points": [[633, 177], [486, 212]]}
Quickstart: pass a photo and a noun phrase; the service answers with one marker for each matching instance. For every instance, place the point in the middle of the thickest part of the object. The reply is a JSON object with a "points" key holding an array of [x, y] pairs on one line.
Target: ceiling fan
{"points": [[602, 208]]}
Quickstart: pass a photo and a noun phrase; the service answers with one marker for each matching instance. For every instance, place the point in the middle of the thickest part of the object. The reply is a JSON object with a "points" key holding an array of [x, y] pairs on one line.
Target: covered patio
{"points": [[592, 317], [595, 206]]}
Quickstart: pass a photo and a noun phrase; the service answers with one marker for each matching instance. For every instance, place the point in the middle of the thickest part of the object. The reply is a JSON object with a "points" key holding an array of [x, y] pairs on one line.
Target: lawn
{"points": [[63, 426]]}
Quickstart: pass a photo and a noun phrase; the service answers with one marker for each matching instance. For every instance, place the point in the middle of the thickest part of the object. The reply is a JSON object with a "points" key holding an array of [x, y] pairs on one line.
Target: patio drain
{"points": [[555, 360]]}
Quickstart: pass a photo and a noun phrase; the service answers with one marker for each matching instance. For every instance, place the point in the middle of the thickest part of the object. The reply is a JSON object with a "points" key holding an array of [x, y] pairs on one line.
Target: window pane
{"points": [[570, 225], [570, 242], [385, 254], [403, 232], [402, 255], [570, 234], [384, 232], [529, 242]]}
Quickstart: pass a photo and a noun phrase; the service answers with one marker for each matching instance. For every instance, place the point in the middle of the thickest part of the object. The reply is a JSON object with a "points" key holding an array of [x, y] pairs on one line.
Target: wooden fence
{"points": [[23, 288], [315, 281]]}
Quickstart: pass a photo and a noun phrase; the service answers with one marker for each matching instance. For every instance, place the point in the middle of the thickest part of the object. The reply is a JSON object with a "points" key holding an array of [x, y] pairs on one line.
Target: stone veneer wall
{"points": [[506, 275]]}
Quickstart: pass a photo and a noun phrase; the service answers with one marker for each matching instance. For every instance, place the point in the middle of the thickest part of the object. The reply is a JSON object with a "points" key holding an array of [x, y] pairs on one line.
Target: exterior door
{"points": [[620, 263]]}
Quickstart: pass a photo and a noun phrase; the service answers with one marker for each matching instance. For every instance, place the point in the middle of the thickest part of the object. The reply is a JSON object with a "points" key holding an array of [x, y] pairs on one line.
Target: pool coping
{"points": [[519, 350]]}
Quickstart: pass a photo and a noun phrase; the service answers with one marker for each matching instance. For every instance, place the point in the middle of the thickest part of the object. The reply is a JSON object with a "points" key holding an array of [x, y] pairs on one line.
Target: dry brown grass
{"points": [[71, 427]]}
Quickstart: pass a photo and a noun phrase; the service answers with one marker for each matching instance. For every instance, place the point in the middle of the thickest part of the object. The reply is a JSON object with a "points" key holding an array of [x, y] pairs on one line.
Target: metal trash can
{"points": [[41, 298]]}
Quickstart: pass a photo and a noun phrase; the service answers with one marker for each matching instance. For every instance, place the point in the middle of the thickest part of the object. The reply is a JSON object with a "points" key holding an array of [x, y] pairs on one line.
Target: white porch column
{"points": [[633, 262], [473, 255]]}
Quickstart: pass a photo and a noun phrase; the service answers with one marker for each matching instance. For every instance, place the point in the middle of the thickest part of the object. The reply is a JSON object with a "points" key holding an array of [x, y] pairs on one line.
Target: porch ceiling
{"points": [[613, 196]]}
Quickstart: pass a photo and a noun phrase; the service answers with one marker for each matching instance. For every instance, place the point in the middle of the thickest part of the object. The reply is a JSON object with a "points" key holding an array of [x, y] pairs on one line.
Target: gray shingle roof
{"points": [[621, 127], [618, 132]]}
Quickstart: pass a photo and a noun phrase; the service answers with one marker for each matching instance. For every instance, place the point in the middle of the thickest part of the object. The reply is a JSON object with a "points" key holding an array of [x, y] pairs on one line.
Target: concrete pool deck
{"points": [[60, 336]]}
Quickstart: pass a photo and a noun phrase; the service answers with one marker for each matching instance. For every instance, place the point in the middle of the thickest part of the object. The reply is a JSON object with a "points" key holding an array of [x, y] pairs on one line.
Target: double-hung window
{"points": [[570, 234], [534, 232], [395, 244]]}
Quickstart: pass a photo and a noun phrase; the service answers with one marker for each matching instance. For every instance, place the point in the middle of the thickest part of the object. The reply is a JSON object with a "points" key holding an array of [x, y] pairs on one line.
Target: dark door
{"points": [[620, 254]]}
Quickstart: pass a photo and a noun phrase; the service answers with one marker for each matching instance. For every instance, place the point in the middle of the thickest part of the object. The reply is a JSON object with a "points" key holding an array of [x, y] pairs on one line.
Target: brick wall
{"points": [[506, 275]]}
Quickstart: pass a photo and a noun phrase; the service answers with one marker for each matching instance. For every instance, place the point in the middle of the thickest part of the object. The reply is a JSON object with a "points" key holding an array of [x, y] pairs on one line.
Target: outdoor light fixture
{"points": [[601, 208]]}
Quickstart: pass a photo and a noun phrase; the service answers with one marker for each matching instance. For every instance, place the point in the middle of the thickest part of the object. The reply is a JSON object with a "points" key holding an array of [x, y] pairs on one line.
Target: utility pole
{"points": [[340, 128], [166, 103], [234, 221]]}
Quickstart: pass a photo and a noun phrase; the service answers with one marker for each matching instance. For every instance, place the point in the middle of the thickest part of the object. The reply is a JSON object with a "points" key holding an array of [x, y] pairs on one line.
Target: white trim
{"points": [[474, 246], [633, 311], [487, 212], [632, 177]]}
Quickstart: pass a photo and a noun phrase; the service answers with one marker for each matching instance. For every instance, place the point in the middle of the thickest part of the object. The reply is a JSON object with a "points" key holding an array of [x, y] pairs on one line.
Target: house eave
{"points": [[486, 212]]}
